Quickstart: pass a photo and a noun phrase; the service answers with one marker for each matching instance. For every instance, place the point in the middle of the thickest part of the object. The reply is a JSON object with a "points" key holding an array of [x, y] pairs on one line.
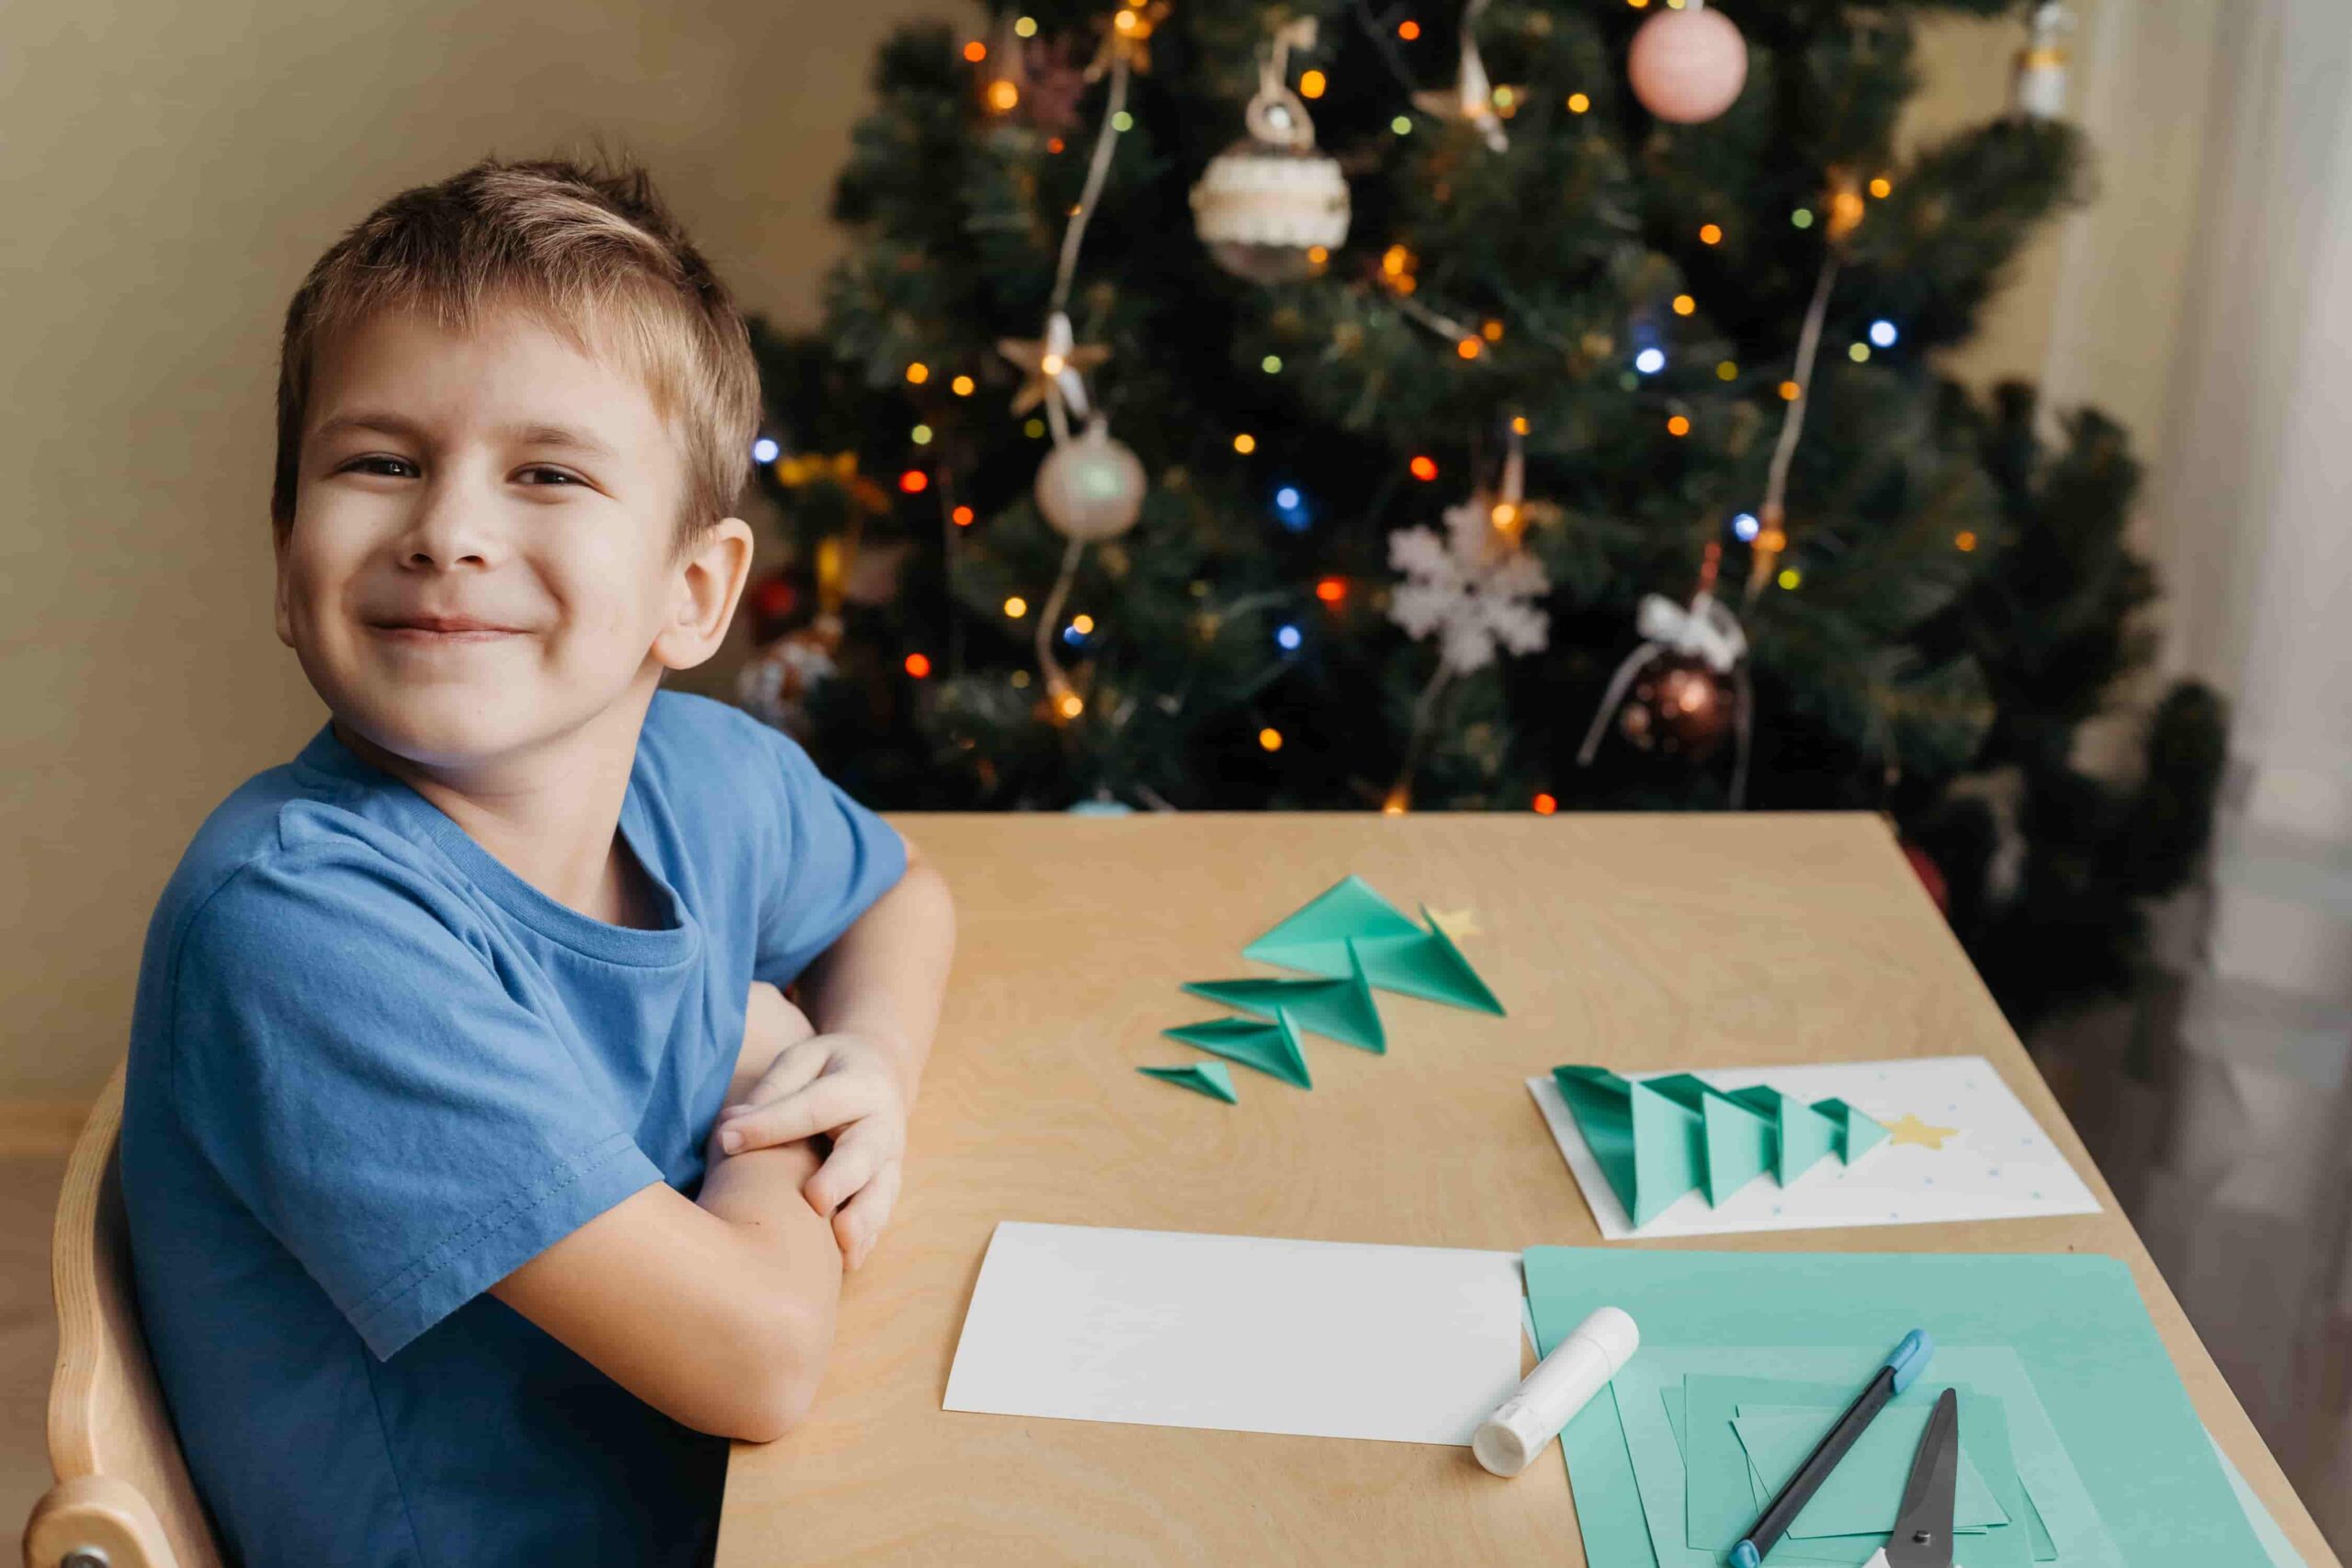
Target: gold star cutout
{"points": [[1910, 1129], [1456, 923], [1053, 364]]}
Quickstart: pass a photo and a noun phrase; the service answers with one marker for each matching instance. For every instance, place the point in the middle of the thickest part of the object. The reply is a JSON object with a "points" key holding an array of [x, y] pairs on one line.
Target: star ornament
{"points": [[1910, 1129], [1052, 365]]}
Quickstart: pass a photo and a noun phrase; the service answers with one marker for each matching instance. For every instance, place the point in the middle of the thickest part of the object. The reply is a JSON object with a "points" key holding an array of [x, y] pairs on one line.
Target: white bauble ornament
{"points": [[1688, 65], [1262, 208], [1090, 488], [1269, 205]]}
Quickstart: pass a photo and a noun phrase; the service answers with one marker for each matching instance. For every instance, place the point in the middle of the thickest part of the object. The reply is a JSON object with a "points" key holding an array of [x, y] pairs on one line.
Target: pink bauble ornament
{"points": [[1688, 65]]}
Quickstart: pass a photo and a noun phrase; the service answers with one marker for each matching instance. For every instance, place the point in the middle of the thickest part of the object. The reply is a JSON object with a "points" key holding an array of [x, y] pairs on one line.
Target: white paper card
{"points": [[1964, 1148], [1243, 1334]]}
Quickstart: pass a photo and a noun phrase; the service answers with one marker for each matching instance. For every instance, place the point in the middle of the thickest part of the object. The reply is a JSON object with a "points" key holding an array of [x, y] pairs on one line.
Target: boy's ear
{"points": [[278, 554], [704, 594]]}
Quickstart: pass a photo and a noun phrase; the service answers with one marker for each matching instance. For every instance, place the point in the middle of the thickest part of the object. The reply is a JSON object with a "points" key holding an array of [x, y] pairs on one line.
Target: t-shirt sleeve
{"points": [[356, 1071], [832, 858]]}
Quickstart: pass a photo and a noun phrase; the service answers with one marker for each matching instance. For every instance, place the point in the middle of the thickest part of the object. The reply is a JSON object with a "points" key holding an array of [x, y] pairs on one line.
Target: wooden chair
{"points": [[123, 1498]]}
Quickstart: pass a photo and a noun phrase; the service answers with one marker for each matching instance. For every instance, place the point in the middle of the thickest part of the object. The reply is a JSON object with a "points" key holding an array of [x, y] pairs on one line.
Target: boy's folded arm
{"points": [[717, 1312]]}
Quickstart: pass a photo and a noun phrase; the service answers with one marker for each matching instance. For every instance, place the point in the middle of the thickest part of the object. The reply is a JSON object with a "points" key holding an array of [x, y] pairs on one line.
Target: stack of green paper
{"points": [[1655, 1139], [1353, 940], [2078, 1442]]}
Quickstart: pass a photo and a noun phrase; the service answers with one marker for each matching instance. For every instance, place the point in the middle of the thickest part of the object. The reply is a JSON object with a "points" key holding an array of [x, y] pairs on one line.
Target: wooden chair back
{"points": [[122, 1498]]}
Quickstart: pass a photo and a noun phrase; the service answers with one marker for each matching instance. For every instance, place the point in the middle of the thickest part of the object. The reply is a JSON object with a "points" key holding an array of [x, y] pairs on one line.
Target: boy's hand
{"points": [[846, 1085]]}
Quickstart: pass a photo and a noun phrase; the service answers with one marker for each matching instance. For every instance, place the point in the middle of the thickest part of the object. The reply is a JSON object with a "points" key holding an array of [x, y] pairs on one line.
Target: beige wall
{"points": [[171, 169]]}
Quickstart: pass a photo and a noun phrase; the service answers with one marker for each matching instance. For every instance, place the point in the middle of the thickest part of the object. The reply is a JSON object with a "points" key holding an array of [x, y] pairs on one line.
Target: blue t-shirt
{"points": [[373, 1071]]}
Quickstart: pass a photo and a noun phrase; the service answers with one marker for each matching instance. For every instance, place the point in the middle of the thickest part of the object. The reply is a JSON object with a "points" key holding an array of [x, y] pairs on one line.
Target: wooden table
{"points": [[1640, 942]]}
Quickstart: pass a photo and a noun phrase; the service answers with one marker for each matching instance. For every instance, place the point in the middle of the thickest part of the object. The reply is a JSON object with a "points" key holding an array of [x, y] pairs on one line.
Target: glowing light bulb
{"points": [[764, 450], [1545, 805], [1677, 426], [1081, 624], [914, 482], [1287, 638], [1710, 235], [1578, 102], [1016, 607], [1650, 361], [1287, 498], [918, 665], [1311, 84], [1271, 364], [1424, 468], [1271, 738], [1245, 444], [1684, 304], [918, 373], [1882, 333], [962, 516], [961, 386], [1745, 525]]}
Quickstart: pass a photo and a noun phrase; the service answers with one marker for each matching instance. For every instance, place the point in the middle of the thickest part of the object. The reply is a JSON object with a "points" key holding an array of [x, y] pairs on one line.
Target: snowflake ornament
{"points": [[1473, 589]]}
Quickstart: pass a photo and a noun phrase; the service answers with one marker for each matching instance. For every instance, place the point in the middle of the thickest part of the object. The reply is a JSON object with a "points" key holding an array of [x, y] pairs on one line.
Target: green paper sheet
{"points": [[1338, 1009], [1202, 1077], [1651, 1150], [2152, 1492], [1271, 1048], [1396, 954], [1805, 1137], [1864, 1492]]}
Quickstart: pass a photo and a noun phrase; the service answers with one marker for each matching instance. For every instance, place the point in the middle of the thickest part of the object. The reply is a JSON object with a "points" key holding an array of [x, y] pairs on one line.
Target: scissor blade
{"points": [[1922, 1537]]}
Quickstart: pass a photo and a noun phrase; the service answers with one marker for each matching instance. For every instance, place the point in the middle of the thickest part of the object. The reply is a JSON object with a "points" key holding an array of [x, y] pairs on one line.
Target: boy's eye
{"points": [[365, 463]]}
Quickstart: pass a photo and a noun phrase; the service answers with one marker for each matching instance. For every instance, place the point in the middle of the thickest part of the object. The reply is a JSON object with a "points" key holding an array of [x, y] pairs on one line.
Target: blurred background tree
{"points": [[1516, 406]]}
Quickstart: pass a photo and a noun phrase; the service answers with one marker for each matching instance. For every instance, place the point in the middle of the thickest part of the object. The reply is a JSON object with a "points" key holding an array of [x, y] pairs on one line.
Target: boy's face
{"points": [[437, 482]]}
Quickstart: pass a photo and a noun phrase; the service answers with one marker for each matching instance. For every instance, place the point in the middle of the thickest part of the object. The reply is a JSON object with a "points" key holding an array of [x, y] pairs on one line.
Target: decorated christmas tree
{"points": [[1517, 406]]}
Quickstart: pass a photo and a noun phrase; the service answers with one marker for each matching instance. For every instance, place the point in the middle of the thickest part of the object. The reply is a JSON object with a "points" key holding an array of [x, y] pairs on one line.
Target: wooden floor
{"points": [[2245, 1236]]}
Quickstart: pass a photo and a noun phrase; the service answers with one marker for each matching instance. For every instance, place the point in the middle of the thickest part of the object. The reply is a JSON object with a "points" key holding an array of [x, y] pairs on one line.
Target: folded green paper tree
{"points": [[1349, 924], [1655, 1139]]}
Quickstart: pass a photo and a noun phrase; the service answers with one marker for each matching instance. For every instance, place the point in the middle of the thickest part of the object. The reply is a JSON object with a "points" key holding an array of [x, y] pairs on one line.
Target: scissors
{"points": [[1922, 1537]]}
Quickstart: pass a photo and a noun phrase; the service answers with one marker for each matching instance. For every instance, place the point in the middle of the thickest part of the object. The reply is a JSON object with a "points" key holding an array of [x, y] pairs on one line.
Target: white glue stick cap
{"points": [[1577, 1368]]}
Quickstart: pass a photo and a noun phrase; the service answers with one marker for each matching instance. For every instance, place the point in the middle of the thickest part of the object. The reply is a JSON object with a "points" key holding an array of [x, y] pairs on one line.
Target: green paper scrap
{"points": [[1211, 1078], [1805, 1137], [1271, 1048], [2044, 1549], [1857, 1133], [1338, 1009], [2064, 1340], [1398, 956], [1863, 1493], [1650, 1149]]}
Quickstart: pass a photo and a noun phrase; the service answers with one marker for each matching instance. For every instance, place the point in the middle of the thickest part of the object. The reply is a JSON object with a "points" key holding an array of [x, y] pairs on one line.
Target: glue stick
{"points": [[1509, 1440]]}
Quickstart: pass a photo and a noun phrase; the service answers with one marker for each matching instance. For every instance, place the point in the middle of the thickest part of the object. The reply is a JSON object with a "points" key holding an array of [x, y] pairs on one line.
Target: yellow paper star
{"points": [[1910, 1129], [1456, 923]]}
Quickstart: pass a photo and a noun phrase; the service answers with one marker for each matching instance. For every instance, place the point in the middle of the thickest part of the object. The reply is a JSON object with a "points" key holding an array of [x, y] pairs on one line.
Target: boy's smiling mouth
{"points": [[437, 630]]}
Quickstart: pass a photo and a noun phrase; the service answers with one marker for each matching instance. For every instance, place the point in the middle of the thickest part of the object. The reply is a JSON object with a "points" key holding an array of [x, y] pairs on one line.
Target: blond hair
{"points": [[591, 253]]}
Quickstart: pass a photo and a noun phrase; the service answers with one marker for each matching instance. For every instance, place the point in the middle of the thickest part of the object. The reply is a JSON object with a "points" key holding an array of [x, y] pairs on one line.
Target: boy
{"points": [[444, 1254]]}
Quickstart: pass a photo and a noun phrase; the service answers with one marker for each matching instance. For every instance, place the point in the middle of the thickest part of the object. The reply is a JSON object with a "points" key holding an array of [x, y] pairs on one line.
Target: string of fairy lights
{"points": [[1127, 33]]}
